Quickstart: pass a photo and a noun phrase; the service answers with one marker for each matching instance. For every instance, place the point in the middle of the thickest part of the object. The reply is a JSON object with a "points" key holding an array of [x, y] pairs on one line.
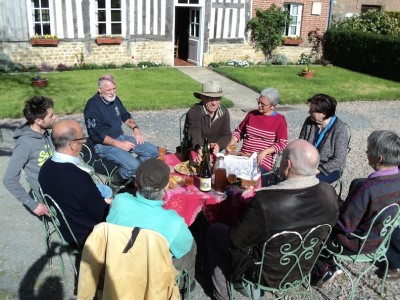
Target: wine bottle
{"points": [[205, 172]]}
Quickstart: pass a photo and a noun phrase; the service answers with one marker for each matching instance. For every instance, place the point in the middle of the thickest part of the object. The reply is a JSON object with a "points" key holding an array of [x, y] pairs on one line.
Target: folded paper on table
{"points": [[242, 166]]}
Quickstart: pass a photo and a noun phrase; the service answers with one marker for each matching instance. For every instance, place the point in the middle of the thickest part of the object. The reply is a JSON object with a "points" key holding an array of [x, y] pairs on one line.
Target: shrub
{"points": [[279, 59], [61, 67], [267, 27], [7, 65], [304, 59], [379, 22], [213, 65], [148, 64], [237, 63], [45, 67]]}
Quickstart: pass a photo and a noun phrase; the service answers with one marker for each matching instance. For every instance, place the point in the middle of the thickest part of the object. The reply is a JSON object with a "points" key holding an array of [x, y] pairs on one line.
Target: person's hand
{"points": [[108, 200], [138, 136], [41, 210], [199, 155], [260, 156], [126, 145], [214, 147]]}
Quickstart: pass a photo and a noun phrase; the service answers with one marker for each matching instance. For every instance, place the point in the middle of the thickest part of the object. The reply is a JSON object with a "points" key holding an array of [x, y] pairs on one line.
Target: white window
{"points": [[194, 29], [41, 17], [295, 11], [109, 17]]}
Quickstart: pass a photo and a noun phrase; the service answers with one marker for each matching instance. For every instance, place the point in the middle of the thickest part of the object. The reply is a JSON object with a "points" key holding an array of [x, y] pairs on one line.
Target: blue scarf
{"points": [[320, 135]]}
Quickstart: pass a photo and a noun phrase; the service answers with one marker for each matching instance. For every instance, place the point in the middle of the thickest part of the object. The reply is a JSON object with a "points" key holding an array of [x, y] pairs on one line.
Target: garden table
{"points": [[188, 201]]}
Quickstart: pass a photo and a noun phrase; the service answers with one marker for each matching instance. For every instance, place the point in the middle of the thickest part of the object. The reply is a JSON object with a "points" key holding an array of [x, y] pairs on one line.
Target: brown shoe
{"points": [[392, 274]]}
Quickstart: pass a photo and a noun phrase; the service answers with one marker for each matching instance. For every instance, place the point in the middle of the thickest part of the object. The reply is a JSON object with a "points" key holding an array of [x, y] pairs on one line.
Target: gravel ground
{"points": [[24, 269]]}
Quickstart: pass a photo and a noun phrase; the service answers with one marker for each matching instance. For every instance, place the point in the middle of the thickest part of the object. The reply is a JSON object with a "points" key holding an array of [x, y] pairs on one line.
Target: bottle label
{"points": [[205, 184]]}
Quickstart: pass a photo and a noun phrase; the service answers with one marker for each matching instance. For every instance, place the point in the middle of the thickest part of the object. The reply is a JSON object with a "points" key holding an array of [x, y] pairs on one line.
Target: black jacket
{"points": [[271, 212]]}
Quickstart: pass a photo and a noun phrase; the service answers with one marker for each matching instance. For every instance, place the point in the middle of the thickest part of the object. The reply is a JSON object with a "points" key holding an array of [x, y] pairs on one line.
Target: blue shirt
{"points": [[104, 118], [127, 210]]}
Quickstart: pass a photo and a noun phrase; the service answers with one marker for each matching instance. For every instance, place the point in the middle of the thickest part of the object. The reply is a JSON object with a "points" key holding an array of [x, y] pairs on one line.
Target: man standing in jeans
{"points": [[104, 114]]}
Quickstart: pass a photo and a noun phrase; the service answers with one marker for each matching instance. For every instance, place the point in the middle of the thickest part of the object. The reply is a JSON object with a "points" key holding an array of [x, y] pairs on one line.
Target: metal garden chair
{"points": [[185, 277], [389, 217], [296, 254], [55, 214]]}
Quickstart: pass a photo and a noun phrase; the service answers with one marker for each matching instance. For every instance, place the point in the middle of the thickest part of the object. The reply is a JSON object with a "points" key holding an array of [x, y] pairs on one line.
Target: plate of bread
{"points": [[186, 168]]}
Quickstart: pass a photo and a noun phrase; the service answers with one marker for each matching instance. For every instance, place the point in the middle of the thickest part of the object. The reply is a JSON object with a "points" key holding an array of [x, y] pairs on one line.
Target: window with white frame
{"points": [[295, 10], [41, 17], [109, 17]]}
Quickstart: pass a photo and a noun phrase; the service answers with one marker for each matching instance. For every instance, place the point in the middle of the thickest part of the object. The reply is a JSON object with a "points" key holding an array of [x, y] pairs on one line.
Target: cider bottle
{"points": [[205, 172], [220, 174]]}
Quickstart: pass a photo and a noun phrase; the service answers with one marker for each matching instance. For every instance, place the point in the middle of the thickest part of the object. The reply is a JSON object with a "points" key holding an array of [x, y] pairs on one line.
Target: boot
{"points": [[117, 179]]}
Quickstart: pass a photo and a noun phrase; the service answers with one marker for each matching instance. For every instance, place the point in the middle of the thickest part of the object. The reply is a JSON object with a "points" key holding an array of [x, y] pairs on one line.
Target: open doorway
{"points": [[186, 50]]}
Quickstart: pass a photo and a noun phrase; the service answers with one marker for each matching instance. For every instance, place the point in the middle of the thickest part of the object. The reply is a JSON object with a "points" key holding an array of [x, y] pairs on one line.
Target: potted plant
{"points": [[46, 40], [109, 39], [39, 81], [307, 72], [292, 40]]}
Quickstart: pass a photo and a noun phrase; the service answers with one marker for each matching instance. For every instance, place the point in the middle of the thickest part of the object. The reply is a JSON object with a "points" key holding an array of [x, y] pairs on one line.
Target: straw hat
{"points": [[210, 89]]}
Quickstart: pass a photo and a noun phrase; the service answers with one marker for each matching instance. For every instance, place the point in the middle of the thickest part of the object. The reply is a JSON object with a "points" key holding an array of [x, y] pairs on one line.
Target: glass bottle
{"points": [[205, 172], [220, 174]]}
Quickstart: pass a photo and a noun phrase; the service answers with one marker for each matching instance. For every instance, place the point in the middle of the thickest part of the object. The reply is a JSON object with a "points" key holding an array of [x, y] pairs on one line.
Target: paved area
{"points": [[24, 269]]}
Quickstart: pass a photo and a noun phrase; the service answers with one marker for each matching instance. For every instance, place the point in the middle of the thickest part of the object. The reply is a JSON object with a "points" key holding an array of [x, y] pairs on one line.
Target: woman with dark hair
{"points": [[328, 134]]}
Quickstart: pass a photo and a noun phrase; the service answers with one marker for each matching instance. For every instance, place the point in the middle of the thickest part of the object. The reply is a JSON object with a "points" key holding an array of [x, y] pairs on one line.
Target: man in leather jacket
{"points": [[299, 203]]}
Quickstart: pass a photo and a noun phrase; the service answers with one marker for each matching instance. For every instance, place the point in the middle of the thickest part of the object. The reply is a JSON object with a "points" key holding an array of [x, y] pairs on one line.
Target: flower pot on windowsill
{"points": [[292, 42], [40, 82], [44, 42], [109, 41]]}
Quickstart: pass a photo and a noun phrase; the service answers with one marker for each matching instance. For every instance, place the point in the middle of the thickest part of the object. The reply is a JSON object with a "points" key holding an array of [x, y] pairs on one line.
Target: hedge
{"points": [[365, 52]]}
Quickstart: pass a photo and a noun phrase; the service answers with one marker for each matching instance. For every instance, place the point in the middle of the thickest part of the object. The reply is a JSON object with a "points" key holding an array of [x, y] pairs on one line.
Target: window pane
{"points": [[197, 31], [38, 29], [101, 15], [194, 1], [182, 1], [37, 15], [115, 3], [115, 16], [36, 3], [102, 28], [101, 3], [45, 3], [46, 29], [116, 28], [45, 15], [295, 10]]}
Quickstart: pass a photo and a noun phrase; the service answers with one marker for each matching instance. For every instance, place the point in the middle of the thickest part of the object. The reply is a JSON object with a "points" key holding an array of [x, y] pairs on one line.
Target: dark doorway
{"points": [[182, 18]]}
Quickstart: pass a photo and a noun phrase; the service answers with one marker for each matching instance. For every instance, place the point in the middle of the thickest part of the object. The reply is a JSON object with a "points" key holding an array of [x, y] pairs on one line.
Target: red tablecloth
{"points": [[188, 201]]}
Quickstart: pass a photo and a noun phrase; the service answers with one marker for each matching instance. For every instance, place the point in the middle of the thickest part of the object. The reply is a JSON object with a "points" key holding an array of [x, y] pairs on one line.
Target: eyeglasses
{"points": [[262, 104], [80, 139]]}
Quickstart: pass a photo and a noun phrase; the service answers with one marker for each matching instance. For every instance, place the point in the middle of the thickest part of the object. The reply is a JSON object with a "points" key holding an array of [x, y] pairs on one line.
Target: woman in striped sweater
{"points": [[263, 131]]}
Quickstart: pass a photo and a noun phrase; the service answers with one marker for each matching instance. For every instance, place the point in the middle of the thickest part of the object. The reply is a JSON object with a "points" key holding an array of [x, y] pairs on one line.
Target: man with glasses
{"points": [[32, 147], [72, 188], [104, 114], [208, 119], [263, 131]]}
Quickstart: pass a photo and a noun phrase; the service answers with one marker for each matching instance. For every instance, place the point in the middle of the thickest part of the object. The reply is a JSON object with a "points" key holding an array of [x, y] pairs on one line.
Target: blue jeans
{"points": [[331, 177], [127, 163]]}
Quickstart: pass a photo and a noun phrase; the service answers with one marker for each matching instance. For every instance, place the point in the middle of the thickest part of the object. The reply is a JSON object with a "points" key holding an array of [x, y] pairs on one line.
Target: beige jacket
{"points": [[145, 271]]}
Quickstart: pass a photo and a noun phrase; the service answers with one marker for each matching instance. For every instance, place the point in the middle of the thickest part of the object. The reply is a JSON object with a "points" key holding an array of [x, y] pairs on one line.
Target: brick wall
{"points": [[341, 7], [309, 22], [69, 53]]}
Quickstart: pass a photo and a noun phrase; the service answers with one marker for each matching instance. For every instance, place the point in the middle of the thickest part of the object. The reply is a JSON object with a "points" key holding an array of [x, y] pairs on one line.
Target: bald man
{"points": [[298, 203], [72, 188]]}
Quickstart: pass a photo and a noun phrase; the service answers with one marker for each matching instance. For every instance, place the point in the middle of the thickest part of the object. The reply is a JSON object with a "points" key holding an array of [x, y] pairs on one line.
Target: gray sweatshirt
{"points": [[30, 152]]}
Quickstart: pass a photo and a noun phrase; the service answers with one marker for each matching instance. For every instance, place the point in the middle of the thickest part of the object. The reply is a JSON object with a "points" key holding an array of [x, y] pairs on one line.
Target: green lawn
{"points": [[340, 83], [150, 89]]}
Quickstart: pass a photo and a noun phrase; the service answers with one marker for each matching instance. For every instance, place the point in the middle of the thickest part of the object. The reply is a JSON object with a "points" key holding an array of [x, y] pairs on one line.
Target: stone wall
{"points": [[226, 52], [70, 53]]}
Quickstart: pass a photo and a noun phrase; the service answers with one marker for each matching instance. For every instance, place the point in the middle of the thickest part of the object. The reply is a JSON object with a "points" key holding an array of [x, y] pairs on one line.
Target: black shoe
{"points": [[183, 290], [329, 275], [392, 274]]}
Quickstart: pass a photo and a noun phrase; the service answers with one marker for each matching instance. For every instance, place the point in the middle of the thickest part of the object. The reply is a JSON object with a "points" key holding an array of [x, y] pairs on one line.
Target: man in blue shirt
{"points": [[104, 114], [146, 211]]}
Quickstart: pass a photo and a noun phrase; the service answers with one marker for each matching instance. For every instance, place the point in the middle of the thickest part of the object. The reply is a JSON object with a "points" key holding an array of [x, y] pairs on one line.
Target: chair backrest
{"points": [[387, 220], [182, 127], [55, 214], [296, 254], [137, 264]]}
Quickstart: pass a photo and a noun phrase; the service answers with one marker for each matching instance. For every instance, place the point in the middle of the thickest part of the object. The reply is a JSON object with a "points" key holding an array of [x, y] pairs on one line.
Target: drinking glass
{"points": [[232, 178], [232, 148], [189, 180]]}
